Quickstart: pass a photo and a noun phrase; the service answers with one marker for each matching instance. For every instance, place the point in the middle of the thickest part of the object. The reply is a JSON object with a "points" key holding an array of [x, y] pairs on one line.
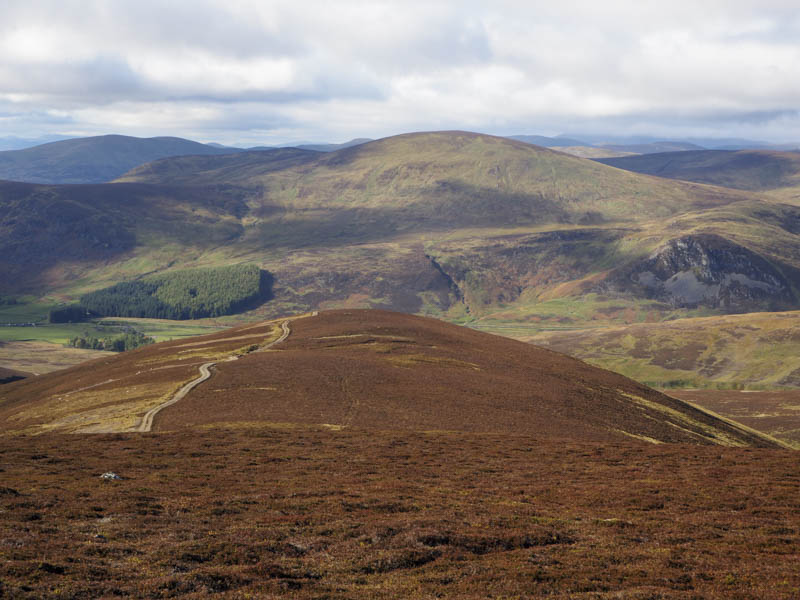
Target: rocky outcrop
{"points": [[708, 270]]}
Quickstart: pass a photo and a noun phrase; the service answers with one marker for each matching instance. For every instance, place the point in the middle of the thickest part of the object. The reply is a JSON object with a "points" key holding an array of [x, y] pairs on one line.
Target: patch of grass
{"points": [[53, 333], [749, 351], [26, 310]]}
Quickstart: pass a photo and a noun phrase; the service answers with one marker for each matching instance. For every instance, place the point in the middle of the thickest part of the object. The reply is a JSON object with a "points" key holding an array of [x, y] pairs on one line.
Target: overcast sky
{"points": [[266, 72]]}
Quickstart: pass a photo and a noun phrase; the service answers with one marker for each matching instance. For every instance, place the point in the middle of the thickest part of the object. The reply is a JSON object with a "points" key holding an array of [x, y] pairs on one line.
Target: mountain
{"points": [[454, 224], [334, 147], [755, 170], [630, 140], [449, 179], [591, 151], [548, 142], [321, 147], [50, 235], [604, 149], [93, 159], [363, 369], [17, 143], [653, 147]]}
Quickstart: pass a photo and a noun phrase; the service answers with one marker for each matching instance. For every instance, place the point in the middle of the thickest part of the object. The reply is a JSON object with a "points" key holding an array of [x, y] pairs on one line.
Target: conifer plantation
{"points": [[185, 294]]}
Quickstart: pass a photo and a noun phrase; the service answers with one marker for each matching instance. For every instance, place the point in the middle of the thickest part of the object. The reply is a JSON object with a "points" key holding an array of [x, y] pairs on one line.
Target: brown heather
{"points": [[247, 512], [378, 455]]}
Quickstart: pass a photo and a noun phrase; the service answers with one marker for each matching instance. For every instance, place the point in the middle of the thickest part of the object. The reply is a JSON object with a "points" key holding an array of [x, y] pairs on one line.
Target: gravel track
{"points": [[146, 423]]}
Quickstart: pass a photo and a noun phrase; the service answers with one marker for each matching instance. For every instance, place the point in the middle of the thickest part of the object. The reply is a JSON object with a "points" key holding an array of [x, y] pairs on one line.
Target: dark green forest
{"points": [[187, 294], [74, 313]]}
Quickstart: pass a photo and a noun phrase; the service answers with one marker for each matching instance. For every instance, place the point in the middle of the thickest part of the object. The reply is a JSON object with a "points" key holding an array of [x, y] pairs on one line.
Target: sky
{"points": [[260, 72]]}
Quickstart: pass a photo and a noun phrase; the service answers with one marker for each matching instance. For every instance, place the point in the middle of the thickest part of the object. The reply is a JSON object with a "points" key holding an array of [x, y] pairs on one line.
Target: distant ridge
{"points": [[334, 147], [755, 170], [548, 142], [653, 147], [316, 147], [94, 159], [582, 148]]}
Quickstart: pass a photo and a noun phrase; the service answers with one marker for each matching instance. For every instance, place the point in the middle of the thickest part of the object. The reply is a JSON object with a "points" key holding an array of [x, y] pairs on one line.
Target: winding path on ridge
{"points": [[146, 424]]}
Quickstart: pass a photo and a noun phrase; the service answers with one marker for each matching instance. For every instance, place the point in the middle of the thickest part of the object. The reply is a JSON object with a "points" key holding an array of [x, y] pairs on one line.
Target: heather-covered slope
{"points": [[309, 513], [51, 236], [363, 369]]}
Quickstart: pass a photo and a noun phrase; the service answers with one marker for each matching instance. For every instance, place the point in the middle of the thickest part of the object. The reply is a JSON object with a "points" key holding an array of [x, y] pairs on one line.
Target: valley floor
{"points": [[307, 512]]}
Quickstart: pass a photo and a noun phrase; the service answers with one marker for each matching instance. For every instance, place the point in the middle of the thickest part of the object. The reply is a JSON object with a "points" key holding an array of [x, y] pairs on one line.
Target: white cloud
{"points": [[250, 70]]}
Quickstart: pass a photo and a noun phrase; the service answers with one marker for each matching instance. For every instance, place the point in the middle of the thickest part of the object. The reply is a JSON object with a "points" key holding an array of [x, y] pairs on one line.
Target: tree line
{"points": [[118, 343]]}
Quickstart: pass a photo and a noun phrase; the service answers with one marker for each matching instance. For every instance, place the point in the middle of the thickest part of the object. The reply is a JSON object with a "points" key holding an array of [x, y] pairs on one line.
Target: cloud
{"points": [[260, 71]]}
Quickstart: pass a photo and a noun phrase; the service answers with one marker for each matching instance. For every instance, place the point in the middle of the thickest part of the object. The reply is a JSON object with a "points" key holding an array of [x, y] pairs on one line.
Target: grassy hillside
{"points": [[215, 170], [452, 179], [52, 237], [748, 351], [93, 159]]}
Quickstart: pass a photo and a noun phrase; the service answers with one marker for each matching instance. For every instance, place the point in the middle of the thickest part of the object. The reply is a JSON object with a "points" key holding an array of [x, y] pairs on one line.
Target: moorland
{"points": [[306, 447], [374, 455]]}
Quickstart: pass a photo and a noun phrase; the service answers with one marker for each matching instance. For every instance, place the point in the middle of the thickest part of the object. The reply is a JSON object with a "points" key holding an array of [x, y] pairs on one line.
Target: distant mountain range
{"points": [[455, 224], [104, 158], [592, 147], [13, 142], [756, 170]]}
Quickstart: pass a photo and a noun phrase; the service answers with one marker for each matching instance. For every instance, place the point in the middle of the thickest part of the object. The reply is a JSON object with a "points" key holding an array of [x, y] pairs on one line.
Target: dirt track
{"points": [[205, 373], [147, 421]]}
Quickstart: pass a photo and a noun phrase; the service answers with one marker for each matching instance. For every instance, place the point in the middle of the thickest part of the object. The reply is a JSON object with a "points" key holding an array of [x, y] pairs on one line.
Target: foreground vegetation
{"points": [[315, 513]]}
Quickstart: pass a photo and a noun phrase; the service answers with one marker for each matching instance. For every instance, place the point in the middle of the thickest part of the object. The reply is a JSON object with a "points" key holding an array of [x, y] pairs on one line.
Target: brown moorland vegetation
{"points": [[320, 468], [775, 412], [35, 358], [314, 513], [362, 368]]}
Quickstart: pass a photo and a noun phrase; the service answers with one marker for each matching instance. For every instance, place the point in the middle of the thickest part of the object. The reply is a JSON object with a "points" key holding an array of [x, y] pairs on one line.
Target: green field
{"points": [[36, 312]]}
